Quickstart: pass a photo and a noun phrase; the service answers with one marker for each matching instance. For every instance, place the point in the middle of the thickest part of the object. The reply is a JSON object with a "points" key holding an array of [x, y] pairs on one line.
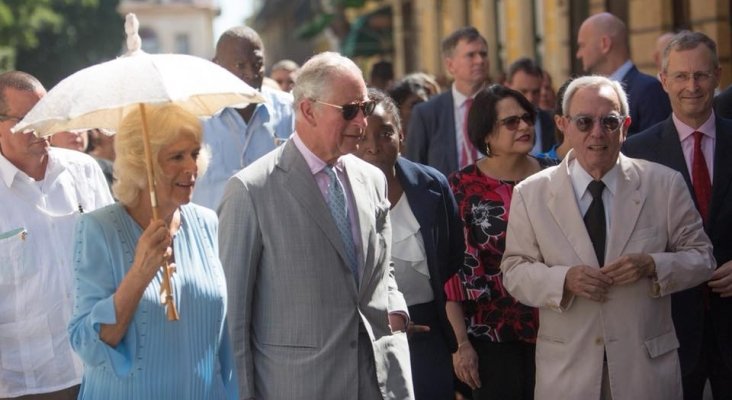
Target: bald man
{"points": [[238, 137], [602, 45]]}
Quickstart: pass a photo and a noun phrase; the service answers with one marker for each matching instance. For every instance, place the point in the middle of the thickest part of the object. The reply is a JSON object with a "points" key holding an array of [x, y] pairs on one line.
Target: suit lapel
{"points": [[304, 189], [447, 108], [670, 154], [563, 206], [722, 168], [626, 207], [366, 217]]}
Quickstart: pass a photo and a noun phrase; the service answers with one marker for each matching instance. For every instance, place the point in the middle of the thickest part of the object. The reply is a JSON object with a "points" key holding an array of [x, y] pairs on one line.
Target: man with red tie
{"points": [[697, 143], [437, 134]]}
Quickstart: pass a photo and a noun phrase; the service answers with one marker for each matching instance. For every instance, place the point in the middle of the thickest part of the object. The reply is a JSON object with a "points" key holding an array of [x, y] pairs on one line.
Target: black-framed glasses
{"points": [[609, 123], [512, 123], [351, 110], [4, 117]]}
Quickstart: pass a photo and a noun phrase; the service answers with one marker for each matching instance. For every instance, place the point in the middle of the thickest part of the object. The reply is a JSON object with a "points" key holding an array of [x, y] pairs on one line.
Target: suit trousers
{"points": [[430, 358], [710, 366], [368, 385], [507, 371]]}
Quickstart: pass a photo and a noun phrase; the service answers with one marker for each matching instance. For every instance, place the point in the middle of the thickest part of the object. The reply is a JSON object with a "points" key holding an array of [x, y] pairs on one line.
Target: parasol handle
{"points": [[166, 289]]}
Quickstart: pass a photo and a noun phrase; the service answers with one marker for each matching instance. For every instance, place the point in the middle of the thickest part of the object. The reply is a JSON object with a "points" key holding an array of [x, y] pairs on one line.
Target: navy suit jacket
{"points": [[723, 103], [548, 139], [649, 103], [435, 209], [431, 137], [661, 144]]}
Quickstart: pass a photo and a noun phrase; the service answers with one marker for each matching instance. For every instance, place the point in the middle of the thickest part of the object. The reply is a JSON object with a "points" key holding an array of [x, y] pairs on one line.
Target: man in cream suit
{"points": [[314, 311], [602, 285]]}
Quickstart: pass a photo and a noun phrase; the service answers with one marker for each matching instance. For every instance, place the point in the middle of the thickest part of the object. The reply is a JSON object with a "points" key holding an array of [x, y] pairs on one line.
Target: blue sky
{"points": [[233, 13]]}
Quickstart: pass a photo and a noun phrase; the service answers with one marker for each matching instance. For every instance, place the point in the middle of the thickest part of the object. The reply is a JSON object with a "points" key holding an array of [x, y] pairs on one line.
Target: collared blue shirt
{"points": [[234, 144]]}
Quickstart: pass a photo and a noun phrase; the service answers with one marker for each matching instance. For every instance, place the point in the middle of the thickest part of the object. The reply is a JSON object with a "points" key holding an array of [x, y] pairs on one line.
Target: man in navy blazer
{"points": [[437, 134], [602, 45], [702, 315]]}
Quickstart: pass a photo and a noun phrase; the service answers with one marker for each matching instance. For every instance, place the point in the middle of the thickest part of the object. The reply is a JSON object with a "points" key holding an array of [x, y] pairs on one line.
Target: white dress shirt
{"points": [[581, 179], [36, 244]]}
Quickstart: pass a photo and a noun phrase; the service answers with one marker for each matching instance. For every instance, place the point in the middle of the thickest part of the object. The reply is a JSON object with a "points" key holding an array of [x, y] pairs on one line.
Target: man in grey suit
{"points": [[313, 307]]}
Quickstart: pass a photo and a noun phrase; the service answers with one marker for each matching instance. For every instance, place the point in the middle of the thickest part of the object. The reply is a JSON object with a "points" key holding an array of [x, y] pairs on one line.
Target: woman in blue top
{"points": [[119, 327]]}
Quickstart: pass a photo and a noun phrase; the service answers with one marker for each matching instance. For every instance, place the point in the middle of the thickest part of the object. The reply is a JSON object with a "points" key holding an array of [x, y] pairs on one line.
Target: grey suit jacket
{"points": [[294, 308]]}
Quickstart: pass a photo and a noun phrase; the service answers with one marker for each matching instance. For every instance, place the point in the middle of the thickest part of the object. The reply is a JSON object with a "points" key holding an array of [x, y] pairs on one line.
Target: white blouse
{"points": [[408, 254]]}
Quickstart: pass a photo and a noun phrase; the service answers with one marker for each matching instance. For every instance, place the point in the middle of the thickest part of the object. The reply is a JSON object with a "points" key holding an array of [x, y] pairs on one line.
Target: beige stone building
{"points": [[546, 30], [174, 26]]}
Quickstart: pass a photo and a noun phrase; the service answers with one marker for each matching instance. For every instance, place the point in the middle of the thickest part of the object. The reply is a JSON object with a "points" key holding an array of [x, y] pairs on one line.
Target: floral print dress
{"points": [[491, 313]]}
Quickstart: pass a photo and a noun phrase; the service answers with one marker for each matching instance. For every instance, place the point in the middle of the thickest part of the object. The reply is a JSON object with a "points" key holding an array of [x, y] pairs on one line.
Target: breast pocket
{"points": [[17, 261]]}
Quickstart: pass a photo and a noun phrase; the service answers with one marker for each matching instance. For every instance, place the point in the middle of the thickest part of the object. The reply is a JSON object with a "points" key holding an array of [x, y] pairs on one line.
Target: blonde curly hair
{"points": [[166, 124]]}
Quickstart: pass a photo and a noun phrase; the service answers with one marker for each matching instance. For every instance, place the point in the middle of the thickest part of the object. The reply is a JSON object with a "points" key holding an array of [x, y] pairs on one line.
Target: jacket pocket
{"points": [[662, 344]]}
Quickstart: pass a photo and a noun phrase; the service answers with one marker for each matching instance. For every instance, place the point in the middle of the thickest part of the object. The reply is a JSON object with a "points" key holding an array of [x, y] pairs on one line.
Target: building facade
{"points": [[174, 26], [546, 30]]}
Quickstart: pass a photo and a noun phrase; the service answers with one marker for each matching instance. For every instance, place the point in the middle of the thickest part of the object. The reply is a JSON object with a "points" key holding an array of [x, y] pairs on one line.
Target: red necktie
{"points": [[468, 153], [700, 177]]}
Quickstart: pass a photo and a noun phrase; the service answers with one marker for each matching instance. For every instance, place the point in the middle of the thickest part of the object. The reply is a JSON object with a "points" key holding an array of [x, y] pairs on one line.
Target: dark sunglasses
{"points": [[512, 123], [351, 110], [609, 123]]}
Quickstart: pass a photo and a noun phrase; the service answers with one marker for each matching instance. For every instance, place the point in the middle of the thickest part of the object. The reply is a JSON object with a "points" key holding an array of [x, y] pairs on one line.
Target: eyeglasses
{"points": [[512, 123], [609, 123], [10, 118], [683, 77], [351, 110]]}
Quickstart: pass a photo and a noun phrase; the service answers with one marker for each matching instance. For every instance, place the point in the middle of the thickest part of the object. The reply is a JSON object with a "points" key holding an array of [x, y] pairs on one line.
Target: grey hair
{"points": [[314, 78], [688, 40], [595, 81], [17, 80]]}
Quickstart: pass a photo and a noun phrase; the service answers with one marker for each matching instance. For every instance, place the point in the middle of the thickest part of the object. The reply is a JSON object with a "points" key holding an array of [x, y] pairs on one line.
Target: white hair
{"points": [[595, 81], [314, 78]]}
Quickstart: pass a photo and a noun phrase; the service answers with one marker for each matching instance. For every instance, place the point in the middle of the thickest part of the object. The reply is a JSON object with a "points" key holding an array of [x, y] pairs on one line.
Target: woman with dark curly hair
{"points": [[496, 334]]}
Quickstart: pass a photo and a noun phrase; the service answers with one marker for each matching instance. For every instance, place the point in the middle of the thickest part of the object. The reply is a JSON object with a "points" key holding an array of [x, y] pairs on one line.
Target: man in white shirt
{"points": [[42, 191]]}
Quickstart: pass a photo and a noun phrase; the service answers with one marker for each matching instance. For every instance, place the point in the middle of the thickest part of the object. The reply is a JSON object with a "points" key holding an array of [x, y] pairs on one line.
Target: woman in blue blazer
{"points": [[427, 247]]}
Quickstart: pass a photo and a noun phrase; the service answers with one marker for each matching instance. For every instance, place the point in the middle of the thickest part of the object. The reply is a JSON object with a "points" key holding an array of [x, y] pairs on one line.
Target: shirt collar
{"points": [[458, 98], [315, 164], [708, 127], [55, 165], [581, 178], [7, 170], [619, 73]]}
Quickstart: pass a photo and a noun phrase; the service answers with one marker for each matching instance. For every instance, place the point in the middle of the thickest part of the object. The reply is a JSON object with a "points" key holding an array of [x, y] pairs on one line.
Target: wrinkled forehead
{"points": [[594, 99]]}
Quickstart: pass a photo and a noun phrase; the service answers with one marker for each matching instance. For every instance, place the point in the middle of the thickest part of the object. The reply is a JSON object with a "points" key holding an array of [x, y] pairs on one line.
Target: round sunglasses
{"points": [[351, 110], [609, 123]]}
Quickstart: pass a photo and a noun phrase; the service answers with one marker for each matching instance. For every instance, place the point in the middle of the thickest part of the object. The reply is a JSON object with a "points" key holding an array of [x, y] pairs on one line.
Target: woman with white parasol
{"points": [[129, 348]]}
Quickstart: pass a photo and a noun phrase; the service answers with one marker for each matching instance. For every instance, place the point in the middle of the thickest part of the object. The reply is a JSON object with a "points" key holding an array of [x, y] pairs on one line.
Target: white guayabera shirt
{"points": [[37, 221]]}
